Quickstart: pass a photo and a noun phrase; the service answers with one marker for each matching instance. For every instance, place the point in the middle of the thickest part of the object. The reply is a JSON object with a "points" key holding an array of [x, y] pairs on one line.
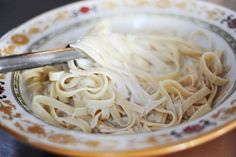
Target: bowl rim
{"points": [[165, 149]]}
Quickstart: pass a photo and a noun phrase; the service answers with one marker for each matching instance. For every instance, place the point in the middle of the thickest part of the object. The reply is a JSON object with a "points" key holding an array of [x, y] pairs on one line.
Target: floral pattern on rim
{"points": [[215, 14], [41, 131], [84, 10], [195, 128], [231, 21], [2, 88]]}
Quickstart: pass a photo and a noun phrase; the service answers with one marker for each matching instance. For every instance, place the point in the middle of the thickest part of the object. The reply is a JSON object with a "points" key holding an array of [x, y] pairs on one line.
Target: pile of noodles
{"points": [[130, 83]]}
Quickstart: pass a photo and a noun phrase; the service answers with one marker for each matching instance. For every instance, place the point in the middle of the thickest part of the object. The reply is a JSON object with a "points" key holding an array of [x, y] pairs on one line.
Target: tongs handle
{"points": [[37, 59]]}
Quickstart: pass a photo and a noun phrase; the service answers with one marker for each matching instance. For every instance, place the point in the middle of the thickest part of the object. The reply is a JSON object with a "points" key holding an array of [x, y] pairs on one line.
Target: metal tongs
{"points": [[37, 59]]}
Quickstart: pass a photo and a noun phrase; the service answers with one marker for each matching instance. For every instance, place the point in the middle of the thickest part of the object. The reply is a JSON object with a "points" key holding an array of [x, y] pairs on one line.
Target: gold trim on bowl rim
{"points": [[163, 150]]}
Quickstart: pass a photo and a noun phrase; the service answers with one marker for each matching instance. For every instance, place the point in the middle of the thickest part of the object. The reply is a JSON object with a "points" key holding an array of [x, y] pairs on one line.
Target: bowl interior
{"points": [[169, 24]]}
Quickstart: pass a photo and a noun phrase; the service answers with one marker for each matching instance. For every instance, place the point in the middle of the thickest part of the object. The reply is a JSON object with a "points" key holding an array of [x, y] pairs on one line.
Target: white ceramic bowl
{"points": [[64, 25]]}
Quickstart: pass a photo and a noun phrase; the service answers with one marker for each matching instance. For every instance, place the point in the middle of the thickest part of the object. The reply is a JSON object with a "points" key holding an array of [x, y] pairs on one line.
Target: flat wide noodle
{"points": [[128, 83]]}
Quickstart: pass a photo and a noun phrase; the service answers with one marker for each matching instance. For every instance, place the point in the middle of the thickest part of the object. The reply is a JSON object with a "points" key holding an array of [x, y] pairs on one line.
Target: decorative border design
{"points": [[231, 21], [2, 89], [54, 139]]}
